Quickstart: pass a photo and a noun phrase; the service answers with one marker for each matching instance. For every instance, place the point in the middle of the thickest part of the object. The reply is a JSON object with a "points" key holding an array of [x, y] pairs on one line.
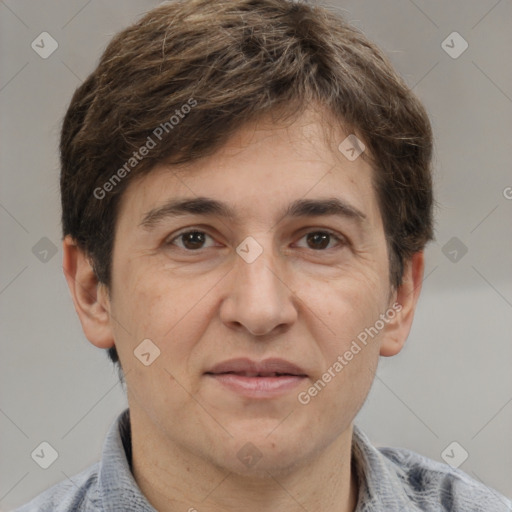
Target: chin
{"points": [[253, 452]]}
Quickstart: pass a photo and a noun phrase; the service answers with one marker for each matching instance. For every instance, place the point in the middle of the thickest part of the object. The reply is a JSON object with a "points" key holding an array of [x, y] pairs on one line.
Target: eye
{"points": [[191, 240], [319, 240], [194, 240]]}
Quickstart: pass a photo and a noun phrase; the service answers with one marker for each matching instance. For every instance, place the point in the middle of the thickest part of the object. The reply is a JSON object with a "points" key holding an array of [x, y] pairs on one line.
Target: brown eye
{"points": [[190, 240], [319, 240]]}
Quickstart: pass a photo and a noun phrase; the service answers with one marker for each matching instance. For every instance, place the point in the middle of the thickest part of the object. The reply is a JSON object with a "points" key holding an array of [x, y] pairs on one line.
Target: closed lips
{"points": [[252, 374], [272, 367]]}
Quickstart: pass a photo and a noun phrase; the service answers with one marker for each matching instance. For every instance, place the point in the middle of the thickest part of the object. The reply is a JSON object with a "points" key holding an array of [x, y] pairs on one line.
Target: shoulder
{"points": [[437, 486], [78, 493]]}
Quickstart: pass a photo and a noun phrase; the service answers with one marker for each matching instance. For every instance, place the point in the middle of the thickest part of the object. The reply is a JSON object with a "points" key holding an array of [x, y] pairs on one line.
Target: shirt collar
{"points": [[380, 483], [117, 487]]}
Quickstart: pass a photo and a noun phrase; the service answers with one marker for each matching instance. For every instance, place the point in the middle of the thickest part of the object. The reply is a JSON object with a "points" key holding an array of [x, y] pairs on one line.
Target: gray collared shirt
{"points": [[390, 480]]}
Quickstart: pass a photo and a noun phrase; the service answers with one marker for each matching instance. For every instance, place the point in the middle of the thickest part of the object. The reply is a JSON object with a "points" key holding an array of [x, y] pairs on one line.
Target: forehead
{"points": [[263, 168]]}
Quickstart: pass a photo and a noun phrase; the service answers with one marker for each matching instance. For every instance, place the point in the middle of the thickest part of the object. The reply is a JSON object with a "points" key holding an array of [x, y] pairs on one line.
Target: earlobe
{"points": [[407, 296], [89, 296]]}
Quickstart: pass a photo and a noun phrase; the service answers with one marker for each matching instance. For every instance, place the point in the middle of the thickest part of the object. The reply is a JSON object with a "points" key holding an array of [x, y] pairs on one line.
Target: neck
{"points": [[172, 478]]}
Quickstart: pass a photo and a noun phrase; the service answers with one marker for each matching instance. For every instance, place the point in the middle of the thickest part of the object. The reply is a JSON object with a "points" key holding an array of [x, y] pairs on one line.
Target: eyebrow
{"points": [[212, 207]]}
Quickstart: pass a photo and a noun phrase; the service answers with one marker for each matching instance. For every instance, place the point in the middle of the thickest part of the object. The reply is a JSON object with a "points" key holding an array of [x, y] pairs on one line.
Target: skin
{"points": [[295, 301]]}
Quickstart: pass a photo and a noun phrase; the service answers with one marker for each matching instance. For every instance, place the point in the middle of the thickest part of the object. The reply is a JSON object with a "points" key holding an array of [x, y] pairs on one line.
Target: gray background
{"points": [[452, 382]]}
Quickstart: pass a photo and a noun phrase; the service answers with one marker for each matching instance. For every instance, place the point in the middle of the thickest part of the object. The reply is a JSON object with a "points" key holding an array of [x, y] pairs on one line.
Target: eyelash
{"points": [[342, 241]]}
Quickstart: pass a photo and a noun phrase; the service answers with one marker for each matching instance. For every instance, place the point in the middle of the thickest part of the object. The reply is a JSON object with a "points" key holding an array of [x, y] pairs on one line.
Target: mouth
{"points": [[253, 374], [267, 379], [246, 367]]}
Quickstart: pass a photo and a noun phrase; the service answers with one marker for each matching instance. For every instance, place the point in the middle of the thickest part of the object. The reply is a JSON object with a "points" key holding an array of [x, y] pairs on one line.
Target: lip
{"points": [[257, 387], [241, 376], [248, 367]]}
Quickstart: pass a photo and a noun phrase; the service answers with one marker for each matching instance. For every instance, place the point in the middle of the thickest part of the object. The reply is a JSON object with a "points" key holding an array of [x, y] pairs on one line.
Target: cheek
{"points": [[138, 310], [348, 354], [159, 310], [346, 305], [169, 311], [151, 301]]}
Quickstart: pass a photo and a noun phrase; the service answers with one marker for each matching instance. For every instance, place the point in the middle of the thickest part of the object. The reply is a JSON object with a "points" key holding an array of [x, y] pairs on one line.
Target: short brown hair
{"points": [[232, 61]]}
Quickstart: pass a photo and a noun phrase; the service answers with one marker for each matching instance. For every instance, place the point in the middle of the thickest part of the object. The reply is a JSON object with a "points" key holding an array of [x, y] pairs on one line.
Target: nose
{"points": [[258, 297]]}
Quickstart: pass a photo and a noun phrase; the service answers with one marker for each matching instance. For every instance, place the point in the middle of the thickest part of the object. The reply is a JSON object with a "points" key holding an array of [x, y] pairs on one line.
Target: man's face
{"points": [[305, 298]]}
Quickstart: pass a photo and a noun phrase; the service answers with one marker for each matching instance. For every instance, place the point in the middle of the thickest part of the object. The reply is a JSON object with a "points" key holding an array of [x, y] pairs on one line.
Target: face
{"points": [[299, 285]]}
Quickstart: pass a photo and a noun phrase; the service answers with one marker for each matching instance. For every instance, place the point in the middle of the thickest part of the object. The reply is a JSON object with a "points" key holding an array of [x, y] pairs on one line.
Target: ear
{"points": [[90, 297], [406, 296]]}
